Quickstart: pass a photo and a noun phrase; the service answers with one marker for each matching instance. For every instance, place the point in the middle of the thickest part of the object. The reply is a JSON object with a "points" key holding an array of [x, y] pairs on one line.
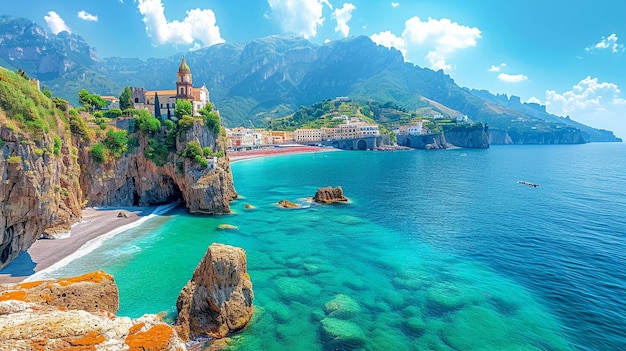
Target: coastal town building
{"points": [[164, 101]]}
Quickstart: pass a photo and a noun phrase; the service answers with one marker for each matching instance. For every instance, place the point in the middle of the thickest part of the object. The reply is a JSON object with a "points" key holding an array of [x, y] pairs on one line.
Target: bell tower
{"points": [[184, 85]]}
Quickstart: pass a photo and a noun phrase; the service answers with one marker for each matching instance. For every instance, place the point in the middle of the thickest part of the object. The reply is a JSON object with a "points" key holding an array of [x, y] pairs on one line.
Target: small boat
{"points": [[527, 183]]}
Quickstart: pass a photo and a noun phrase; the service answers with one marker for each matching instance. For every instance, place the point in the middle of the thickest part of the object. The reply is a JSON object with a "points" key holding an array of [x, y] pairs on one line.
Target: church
{"points": [[164, 101]]}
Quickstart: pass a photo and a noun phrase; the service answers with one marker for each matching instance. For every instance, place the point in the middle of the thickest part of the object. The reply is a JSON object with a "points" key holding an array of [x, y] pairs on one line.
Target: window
{"points": [[136, 100]]}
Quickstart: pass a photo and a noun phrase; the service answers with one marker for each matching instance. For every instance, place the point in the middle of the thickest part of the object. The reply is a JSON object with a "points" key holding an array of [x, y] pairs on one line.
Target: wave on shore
{"points": [[93, 244]]}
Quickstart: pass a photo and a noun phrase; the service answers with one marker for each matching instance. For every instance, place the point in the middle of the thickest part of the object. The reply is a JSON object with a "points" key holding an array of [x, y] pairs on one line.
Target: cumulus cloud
{"points": [[607, 43], [497, 68], [87, 16], [390, 40], [512, 78], [437, 38], [299, 17], [56, 23], [598, 104], [198, 29], [395, 4], [343, 16]]}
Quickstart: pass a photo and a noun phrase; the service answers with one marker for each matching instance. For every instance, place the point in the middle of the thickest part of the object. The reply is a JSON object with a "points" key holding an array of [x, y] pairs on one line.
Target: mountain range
{"points": [[252, 83]]}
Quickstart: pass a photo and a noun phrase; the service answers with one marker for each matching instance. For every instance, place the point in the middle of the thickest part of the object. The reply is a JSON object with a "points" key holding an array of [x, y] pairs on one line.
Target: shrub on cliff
{"points": [[146, 123], [98, 153], [116, 141]]}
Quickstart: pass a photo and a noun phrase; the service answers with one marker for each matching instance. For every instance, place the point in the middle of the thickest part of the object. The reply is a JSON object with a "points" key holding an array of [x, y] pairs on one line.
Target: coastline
{"points": [[286, 150], [96, 225]]}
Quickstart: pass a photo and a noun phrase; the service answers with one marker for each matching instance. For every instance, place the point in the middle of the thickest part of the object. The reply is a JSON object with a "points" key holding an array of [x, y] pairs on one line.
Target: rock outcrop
{"points": [[90, 292], [39, 189], [329, 195], [76, 314], [287, 204], [218, 298], [135, 180]]}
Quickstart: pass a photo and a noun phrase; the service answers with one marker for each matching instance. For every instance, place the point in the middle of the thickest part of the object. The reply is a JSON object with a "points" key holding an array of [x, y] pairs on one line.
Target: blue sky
{"points": [[568, 55]]}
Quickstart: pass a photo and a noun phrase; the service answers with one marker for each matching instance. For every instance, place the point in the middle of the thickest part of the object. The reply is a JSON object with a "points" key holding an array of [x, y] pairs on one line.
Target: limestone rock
{"points": [[30, 326], [329, 195], [218, 298], [287, 204], [39, 192], [342, 307], [91, 292]]}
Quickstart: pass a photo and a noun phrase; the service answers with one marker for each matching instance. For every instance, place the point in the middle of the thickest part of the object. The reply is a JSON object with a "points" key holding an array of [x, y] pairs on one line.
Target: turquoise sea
{"points": [[437, 250]]}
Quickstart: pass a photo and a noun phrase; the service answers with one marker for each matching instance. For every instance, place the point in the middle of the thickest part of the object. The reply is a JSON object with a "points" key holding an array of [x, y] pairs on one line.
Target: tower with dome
{"points": [[166, 99]]}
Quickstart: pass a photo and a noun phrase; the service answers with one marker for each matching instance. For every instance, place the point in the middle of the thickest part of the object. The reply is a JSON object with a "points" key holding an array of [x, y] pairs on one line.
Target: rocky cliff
{"points": [[39, 189], [76, 314], [474, 137], [133, 179], [565, 135], [218, 298]]}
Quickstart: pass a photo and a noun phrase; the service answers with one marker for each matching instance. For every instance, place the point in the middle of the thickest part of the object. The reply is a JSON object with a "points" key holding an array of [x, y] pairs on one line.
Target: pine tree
{"points": [[126, 99]]}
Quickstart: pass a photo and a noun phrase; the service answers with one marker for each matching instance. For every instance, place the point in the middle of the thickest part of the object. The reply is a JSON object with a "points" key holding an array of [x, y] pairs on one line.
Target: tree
{"points": [[47, 92], [157, 107], [183, 108], [22, 74], [90, 100], [146, 122], [211, 119], [126, 99]]}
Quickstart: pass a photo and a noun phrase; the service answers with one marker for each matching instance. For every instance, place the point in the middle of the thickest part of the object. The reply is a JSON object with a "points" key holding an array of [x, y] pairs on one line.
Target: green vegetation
{"points": [[112, 113], [90, 101], [211, 118], [57, 145], [98, 153], [156, 152], [183, 108], [116, 142], [32, 111], [13, 160], [126, 99], [146, 123], [78, 126]]}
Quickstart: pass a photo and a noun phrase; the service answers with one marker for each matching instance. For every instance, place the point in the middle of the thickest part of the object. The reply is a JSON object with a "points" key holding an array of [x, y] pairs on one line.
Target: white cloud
{"points": [[343, 16], [56, 23], [390, 40], [609, 43], [533, 100], [395, 4], [301, 17], [198, 28], [512, 78], [494, 68], [434, 40], [87, 16], [590, 102]]}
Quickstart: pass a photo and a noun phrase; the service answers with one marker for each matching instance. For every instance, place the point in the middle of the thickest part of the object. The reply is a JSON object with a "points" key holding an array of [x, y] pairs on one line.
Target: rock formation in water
{"points": [[218, 298], [76, 314], [329, 195], [287, 204]]}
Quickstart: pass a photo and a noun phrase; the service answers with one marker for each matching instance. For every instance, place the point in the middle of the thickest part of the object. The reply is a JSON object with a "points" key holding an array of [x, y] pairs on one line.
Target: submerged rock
{"points": [[287, 204], [329, 195], [225, 226], [218, 298], [342, 307], [342, 335]]}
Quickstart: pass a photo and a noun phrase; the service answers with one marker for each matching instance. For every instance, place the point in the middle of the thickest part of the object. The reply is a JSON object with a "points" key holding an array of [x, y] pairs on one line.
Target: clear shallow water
{"points": [[437, 251]]}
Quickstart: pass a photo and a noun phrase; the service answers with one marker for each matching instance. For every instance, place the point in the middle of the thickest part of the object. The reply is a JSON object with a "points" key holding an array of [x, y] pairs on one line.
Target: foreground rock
{"points": [[76, 314], [90, 292], [218, 298], [329, 195]]}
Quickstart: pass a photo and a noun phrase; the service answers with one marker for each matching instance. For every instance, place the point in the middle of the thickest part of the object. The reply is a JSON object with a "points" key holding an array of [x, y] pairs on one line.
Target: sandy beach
{"points": [[46, 252], [246, 155]]}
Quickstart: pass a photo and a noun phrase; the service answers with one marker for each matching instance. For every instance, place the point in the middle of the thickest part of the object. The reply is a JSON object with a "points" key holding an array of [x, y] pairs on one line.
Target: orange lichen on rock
{"points": [[155, 338], [92, 338], [135, 328], [30, 285], [14, 295], [95, 277]]}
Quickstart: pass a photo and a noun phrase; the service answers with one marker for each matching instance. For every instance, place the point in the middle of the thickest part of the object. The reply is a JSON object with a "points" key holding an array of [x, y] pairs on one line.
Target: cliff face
{"points": [[425, 141], [135, 180], [474, 137], [559, 136], [39, 190]]}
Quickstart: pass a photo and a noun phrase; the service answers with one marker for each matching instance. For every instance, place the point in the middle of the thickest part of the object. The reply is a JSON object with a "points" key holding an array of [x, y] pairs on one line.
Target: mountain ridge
{"points": [[266, 78]]}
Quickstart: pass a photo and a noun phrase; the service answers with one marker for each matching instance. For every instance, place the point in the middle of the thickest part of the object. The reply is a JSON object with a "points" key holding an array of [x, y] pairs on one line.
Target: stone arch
{"points": [[406, 142], [361, 145]]}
